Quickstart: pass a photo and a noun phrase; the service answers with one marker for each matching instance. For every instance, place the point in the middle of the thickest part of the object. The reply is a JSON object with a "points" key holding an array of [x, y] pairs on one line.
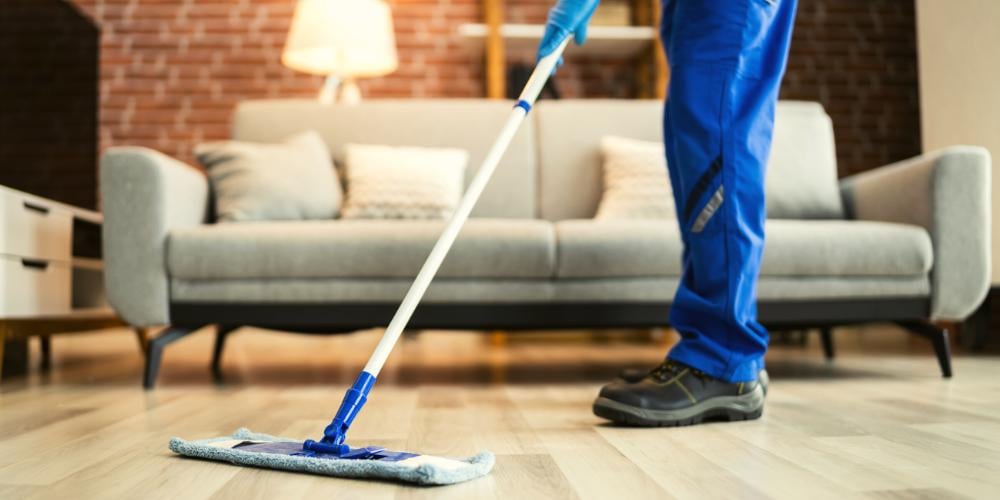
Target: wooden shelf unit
{"points": [[639, 42], [610, 41]]}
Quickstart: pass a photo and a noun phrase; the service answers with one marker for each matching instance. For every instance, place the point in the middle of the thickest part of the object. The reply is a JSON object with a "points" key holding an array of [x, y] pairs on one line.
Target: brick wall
{"points": [[859, 58], [172, 70]]}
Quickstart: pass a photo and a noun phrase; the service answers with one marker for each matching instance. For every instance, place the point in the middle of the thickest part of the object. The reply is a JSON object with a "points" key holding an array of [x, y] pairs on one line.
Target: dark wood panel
{"points": [[49, 70]]}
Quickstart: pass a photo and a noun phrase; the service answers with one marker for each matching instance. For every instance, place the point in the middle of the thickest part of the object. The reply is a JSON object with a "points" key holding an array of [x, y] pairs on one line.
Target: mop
{"points": [[331, 455]]}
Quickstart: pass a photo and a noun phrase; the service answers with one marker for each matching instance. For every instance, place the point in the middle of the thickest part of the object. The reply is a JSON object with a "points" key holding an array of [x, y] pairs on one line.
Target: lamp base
{"points": [[328, 93], [350, 93], [348, 90]]}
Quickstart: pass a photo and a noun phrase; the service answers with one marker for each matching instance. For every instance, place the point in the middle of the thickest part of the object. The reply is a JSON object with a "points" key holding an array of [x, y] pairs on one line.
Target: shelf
{"points": [[91, 312], [87, 263], [75, 314], [611, 41]]}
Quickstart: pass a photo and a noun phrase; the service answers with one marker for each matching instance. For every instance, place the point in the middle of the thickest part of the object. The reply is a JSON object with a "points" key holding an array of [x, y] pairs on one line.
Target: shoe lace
{"points": [[669, 369]]}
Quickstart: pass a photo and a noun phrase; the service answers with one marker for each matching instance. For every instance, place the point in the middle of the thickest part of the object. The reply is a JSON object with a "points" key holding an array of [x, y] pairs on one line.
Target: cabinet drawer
{"points": [[33, 286], [31, 228]]}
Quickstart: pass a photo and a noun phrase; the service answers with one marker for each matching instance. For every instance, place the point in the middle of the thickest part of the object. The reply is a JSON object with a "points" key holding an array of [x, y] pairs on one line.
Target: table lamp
{"points": [[341, 40]]}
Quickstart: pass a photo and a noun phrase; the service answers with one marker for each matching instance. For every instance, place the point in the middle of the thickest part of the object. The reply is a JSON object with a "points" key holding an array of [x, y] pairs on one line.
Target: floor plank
{"points": [[877, 423]]}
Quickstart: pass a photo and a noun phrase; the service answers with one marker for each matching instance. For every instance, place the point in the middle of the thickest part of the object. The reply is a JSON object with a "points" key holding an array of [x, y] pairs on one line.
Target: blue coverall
{"points": [[727, 58]]}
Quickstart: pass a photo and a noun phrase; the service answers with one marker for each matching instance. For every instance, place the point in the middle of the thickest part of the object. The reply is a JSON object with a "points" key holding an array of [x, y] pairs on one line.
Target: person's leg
{"points": [[722, 113], [727, 58], [666, 32]]}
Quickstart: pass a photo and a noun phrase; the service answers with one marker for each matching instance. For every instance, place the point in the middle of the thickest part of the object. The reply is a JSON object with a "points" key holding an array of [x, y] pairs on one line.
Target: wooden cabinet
{"points": [[51, 273]]}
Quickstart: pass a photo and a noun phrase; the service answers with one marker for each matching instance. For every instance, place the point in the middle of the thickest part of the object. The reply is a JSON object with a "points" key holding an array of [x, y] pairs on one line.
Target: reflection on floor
{"points": [[878, 421]]}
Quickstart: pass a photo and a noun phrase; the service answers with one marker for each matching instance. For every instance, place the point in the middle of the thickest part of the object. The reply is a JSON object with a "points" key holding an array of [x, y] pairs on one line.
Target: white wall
{"points": [[959, 55]]}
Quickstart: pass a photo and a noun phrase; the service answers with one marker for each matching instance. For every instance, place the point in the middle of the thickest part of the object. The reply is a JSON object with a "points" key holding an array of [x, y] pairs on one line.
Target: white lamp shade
{"points": [[344, 38]]}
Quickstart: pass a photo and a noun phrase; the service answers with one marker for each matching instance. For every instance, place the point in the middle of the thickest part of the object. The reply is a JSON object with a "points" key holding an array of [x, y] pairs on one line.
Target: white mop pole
{"points": [[531, 90]]}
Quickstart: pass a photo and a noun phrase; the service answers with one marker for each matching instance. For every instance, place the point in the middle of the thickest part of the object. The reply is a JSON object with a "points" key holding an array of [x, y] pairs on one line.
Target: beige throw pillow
{"points": [[636, 182], [294, 179], [388, 182]]}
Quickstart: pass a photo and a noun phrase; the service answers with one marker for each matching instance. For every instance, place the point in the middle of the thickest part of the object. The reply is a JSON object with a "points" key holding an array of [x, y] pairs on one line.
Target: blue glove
{"points": [[568, 17]]}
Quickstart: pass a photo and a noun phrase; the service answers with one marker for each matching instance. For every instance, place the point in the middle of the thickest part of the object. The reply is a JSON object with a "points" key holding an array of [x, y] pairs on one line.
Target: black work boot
{"points": [[674, 394], [633, 375]]}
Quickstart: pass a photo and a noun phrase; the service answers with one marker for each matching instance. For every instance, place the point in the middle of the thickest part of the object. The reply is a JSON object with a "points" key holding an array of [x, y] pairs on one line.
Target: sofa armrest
{"points": [[144, 195], [946, 192]]}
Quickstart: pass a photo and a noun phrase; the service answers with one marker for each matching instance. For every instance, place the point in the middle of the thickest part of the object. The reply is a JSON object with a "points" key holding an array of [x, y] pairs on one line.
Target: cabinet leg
{"points": [[826, 337], [45, 342], [3, 341]]}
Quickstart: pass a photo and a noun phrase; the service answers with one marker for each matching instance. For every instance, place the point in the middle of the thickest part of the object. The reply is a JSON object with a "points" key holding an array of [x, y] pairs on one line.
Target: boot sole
{"points": [[749, 406], [762, 377]]}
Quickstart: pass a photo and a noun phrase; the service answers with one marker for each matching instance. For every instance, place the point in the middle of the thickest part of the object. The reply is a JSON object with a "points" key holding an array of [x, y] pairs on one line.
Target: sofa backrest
{"points": [[802, 171], [470, 124], [569, 157]]}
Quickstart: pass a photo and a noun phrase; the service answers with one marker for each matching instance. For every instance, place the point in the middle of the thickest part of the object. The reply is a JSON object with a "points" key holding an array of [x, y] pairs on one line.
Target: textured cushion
{"points": [[596, 249], [636, 184], [468, 124], [486, 248], [387, 182], [254, 181]]}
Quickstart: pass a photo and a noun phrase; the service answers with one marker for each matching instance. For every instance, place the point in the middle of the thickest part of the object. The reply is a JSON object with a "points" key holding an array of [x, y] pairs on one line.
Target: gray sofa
{"points": [[907, 242]]}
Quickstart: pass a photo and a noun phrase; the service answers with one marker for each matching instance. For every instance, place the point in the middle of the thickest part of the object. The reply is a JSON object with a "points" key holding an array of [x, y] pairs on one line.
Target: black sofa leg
{"points": [[154, 352], [221, 332], [939, 339], [826, 338]]}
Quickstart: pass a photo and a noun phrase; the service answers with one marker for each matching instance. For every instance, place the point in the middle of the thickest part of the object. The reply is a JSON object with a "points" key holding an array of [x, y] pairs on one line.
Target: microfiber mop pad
{"points": [[261, 450]]}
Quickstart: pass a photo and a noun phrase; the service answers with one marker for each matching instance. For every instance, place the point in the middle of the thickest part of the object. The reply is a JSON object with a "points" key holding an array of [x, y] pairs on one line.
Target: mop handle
{"points": [[527, 98], [336, 433]]}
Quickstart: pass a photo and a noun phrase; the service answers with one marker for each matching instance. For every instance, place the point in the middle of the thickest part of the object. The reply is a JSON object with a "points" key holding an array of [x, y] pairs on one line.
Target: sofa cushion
{"points": [[636, 183], [291, 180], [801, 178], [486, 248], [468, 124], [644, 248], [618, 248], [845, 249], [396, 182], [569, 156]]}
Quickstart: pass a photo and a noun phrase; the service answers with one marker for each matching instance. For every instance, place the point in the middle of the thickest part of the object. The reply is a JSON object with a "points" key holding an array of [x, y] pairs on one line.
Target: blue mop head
{"points": [[260, 450]]}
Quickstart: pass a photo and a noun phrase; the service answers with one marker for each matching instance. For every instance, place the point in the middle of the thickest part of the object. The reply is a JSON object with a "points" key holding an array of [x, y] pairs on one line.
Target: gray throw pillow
{"points": [[291, 180]]}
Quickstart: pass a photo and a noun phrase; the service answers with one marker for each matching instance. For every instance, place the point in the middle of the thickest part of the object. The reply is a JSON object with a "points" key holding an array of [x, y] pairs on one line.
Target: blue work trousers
{"points": [[726, 61]]}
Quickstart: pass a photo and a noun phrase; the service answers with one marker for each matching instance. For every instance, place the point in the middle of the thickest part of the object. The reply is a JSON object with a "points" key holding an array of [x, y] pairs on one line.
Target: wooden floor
{"points": [[877, 423]]}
